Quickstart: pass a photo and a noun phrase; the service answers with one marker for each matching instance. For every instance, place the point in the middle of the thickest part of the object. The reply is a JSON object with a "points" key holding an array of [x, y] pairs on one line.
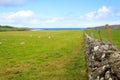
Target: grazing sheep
{"points": [[22, 43], [31, 35], [39, 36], [49, 37]]}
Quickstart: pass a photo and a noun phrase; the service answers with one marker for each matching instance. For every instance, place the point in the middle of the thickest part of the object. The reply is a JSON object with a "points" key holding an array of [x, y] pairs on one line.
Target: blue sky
{"points": [[59, 13]]}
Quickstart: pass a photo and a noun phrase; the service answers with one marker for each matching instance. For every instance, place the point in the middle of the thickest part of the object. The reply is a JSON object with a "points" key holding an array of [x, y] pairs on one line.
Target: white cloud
{"points": [[21, 14], [20, 17], [27, 18], [102, 12]]}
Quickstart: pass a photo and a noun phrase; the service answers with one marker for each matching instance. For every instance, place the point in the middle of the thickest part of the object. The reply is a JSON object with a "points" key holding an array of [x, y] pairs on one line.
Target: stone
{"points": [[97, 78], [97, 64], [116, 69], [98, 72], [98, 55], [93, 69], [111, 47], [103, 56], [104, 67], [93, 57], [96, 48], [90, 77], [102, 78], [110, 79], [107, 75], [105, 47]]}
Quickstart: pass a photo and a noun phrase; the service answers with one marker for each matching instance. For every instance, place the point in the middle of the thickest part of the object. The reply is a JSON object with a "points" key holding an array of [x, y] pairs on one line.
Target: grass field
{"points": [[42, 55], [115, 34]]}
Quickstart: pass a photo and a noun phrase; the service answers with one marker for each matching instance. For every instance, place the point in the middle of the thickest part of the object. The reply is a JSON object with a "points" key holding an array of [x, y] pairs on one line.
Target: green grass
{"points": [[42, 55], [115, 34]]}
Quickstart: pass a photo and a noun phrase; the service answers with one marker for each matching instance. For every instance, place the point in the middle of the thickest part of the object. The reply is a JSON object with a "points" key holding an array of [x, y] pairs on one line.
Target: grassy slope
{"points": [[114, 33], [44, 55], [10, 28]]}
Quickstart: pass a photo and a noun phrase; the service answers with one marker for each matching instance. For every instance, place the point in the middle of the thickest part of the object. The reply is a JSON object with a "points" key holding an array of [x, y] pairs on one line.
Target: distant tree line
{"points": [[11, 28]]}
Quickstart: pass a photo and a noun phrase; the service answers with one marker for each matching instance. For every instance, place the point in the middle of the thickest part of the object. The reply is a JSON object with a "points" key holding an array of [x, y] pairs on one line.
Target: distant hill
{"points": [[11, 28], [113, 27]]}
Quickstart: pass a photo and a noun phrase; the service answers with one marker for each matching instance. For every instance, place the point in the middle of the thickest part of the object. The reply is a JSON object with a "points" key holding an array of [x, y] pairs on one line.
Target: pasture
{"points": [[42, 55]]}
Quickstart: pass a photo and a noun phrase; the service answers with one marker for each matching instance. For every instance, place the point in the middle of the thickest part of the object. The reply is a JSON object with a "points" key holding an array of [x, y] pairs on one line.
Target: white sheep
{"points": [[49, 37], [39, 36], [0, 42], [21, 43]]}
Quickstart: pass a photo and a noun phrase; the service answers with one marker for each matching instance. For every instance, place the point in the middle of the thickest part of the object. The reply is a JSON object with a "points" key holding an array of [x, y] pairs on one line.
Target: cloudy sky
{"points": [[59, 13]]}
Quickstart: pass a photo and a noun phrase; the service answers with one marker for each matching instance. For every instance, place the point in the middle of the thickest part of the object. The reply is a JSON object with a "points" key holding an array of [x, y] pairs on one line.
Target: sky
{"points": [[59, 13]]}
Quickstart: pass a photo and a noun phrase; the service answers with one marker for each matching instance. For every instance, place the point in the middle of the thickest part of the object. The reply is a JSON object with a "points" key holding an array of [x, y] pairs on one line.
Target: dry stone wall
{"points": [[103, 60]]}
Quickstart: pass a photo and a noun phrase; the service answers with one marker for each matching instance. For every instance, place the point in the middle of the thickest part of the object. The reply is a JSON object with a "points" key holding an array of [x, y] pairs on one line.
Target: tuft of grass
{"points": [[42, 55]]}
